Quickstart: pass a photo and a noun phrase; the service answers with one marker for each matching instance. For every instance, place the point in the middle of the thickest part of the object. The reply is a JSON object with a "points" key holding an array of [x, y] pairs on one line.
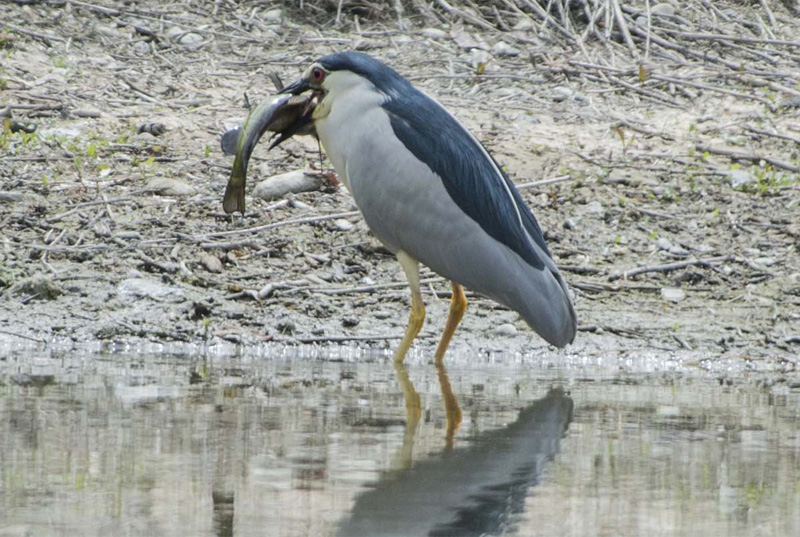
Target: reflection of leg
{"points": [[413, 414], [417, 317], [451, 408], [458, 304]]}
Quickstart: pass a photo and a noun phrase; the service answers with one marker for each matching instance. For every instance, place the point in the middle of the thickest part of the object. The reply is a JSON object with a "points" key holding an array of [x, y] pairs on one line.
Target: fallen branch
{"points": [[669, 267], [743, 155]]}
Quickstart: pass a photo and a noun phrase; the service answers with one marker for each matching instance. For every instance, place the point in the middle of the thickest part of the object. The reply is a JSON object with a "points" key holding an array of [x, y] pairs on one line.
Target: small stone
{"points": [[506, 329], [134, 288], [41, 286], [561, 93], [678, 250], [6, 195], [524, 25], [570, 224], [663, 10], [673, 294], [190, 39], [273, 15], [765, 261], [286, 327], [501, 48], [349, 322], [382, 314], [434, 33], [169, 186], [211, 262], [342, 225], [739, 178], [278, 186], [663, 244]]}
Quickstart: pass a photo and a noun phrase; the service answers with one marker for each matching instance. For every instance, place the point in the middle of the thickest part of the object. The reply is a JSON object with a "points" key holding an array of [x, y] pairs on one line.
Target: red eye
{"points": [[317, 75]]}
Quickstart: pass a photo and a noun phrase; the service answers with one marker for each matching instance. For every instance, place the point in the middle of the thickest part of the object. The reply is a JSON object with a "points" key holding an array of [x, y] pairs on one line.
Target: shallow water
{"points": [[291, 446]]}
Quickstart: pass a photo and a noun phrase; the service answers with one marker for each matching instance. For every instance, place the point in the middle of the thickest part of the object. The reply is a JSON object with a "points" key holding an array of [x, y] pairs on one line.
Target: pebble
{"points": [[561, 93], [663, 244], [506, 329], [273, 15], [350, 322], [501, 48], [663, 10], [740, 178], [39, 285], [7, 195], [211, 262], [278, 186], [134, 288], [524, 25], [570, 224], [673, 294], [169, 186], [434, 33], [342, 225], [190, 39], [765, 261], [382, 314]]}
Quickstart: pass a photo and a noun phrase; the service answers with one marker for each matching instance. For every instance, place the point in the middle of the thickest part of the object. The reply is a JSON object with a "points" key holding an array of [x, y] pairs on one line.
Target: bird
{"points": [[431, 193]]}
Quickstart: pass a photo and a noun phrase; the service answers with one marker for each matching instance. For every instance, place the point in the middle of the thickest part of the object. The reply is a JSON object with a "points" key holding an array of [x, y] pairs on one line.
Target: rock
{"points": [[595, 207], [211, 262], [342, 225], [349, 322], [570, 224], [62, 132], [41, 286], [273, 15], [169, 186], [673, 294], [524, 25], [382, 314], [663, 244], [434, 33], [506, 329], [278, 186], [501, 48], [561, 93], [662, 10], [464, 39], [136, 287], [739, 178], [190, 39], [8, 196], [679, 251], [478, 58], [765, 261]]}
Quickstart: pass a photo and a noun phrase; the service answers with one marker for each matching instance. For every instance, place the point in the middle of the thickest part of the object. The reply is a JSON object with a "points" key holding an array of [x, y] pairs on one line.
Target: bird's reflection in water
{"points": [[466, 491]]}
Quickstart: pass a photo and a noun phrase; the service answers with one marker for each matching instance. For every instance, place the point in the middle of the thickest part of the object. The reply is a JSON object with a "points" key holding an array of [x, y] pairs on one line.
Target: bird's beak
{"points": [[297, 87]]}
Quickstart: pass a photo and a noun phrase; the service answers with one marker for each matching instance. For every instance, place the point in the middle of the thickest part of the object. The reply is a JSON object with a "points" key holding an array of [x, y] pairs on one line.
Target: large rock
{"points": [[278, 186]]}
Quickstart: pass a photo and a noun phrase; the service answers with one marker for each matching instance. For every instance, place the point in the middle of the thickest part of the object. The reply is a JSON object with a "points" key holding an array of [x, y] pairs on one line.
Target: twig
{"points": [[773, 134], [669, 267], [296, 221], [339, 339], [46, 37], [743, 155]]}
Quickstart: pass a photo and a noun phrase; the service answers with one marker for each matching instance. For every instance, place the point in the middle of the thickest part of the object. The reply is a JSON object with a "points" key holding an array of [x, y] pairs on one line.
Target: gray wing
{"points": [[409, 207]]}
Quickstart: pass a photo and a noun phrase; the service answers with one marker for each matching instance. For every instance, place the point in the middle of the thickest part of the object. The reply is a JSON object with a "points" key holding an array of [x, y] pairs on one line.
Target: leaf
{"points": [[642, 73], [481, 68]]}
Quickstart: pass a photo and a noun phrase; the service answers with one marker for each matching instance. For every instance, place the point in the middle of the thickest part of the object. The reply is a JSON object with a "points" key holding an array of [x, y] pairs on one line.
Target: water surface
{"points": [[295, 446]]}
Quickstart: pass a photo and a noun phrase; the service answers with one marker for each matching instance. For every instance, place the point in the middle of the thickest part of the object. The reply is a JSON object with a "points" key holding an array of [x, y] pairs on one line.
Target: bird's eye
{"points": [[317, 75]]}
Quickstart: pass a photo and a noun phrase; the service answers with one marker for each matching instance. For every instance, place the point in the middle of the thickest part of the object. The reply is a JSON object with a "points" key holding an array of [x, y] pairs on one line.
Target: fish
{"points": [[286, 116]]}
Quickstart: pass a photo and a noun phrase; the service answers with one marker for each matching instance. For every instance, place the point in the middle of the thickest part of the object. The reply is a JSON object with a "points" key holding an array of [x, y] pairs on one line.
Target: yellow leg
{"points": [[458, 305], [417, 317], [451, 408], [403, 457]]}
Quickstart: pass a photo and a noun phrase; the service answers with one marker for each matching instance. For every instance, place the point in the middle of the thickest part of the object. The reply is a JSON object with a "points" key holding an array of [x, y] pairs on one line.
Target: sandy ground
{"points": [[112, 235]]}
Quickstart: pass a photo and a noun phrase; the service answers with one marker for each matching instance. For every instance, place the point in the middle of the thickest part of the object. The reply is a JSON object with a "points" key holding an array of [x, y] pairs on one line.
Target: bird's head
{"points": [[346, 74]]}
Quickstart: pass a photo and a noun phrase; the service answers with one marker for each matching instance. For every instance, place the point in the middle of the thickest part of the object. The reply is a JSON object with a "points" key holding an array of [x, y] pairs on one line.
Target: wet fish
{"points": [[286, 115]]}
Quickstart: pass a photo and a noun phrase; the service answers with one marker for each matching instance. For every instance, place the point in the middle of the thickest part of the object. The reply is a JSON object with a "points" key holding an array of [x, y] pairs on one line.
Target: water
{"points": [[151, 444]]}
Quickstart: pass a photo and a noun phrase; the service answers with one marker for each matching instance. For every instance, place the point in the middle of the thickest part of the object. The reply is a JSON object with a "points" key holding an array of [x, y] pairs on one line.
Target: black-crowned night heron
{"points": [[429, 190]]}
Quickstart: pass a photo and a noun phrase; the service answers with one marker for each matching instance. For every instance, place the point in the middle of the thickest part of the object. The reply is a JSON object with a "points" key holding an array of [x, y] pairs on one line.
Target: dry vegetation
{"points": [[656, 141]]}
